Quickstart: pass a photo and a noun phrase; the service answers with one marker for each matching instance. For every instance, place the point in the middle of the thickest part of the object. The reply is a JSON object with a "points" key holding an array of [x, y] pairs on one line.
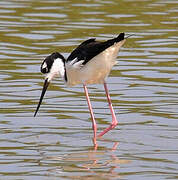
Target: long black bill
{"points": [[45, 86]]}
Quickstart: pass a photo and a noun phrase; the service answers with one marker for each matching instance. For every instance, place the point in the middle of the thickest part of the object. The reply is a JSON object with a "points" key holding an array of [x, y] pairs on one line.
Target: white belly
{"points": [[96, 70]]}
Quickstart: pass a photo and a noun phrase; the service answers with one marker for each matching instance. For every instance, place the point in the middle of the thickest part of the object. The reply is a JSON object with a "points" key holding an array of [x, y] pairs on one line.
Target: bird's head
{"points": [[52, 66]]}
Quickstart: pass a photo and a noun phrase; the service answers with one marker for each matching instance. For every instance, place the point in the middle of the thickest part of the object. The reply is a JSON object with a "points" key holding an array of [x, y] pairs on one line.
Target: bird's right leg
{"points": [[114, 119], [92, 116]]}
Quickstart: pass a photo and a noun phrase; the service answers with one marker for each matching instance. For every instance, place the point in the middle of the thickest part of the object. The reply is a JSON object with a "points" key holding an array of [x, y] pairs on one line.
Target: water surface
{"points": [[143, 86]]}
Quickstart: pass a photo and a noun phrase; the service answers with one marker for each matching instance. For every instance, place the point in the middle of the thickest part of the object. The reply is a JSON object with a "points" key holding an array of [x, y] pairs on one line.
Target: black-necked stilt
{"points": [[89, 63]]}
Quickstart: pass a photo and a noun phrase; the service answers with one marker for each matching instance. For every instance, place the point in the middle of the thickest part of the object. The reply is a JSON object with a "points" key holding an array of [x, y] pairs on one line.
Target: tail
{"points": [[120, 37], [115, 40]]}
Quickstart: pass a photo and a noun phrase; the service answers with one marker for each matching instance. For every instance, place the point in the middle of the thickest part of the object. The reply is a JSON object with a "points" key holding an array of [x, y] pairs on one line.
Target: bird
{"points": [[90, 63]]}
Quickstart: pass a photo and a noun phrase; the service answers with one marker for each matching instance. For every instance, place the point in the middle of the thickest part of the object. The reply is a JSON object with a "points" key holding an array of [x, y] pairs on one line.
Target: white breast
{"points": [[96, 70]]}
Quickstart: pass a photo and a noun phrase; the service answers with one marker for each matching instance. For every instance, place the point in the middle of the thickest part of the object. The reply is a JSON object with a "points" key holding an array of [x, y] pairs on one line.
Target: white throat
{"points": [[57, 69]]}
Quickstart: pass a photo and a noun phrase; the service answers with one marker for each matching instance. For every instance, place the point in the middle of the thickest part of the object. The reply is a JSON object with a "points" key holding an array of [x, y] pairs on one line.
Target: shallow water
{"points": [[143, 86]]}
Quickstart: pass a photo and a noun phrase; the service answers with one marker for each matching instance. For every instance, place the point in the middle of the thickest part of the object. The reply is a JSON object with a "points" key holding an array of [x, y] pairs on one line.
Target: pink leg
{"points": [[115, 146], [92, 116], [114, 120]]}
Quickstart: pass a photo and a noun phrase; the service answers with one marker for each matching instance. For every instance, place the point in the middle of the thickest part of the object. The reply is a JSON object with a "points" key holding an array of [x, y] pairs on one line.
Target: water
{"points": [[57, 144]]}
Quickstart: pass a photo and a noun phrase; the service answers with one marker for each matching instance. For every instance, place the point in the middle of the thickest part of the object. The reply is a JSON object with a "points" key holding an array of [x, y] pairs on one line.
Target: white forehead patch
{"points": [[44, 65]]}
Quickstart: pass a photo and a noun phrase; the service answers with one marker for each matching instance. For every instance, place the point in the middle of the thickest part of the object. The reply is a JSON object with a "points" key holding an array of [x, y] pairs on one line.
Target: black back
{"points": [[90, 48]]}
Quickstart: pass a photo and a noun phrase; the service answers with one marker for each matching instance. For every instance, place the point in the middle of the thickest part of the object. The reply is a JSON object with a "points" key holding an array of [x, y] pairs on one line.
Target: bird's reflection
{"points": [[98, 162]]}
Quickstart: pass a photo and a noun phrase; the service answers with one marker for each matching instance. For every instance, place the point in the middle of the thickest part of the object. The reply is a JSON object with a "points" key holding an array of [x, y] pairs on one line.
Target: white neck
{"points": [[57, 69]]}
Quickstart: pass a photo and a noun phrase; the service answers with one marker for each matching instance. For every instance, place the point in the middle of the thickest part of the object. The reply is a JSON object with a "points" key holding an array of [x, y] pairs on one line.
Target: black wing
{"points": [[90, 48]]}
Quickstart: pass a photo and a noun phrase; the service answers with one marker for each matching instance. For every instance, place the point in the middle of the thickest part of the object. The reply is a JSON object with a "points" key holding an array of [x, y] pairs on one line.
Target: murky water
{"points": [[57, 144]]}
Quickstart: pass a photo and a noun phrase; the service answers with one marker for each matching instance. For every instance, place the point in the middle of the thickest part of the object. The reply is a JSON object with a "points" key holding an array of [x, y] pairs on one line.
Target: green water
{"points": [[57, 144]]}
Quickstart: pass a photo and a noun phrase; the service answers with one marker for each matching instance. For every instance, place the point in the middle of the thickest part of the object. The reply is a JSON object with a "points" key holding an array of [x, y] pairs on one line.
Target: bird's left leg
{"points": [[92, 116], [114, 120]]}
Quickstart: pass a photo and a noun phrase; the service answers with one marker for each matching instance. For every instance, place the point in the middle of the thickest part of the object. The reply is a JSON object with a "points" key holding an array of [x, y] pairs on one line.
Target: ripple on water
{"points": [[143, 87]]}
